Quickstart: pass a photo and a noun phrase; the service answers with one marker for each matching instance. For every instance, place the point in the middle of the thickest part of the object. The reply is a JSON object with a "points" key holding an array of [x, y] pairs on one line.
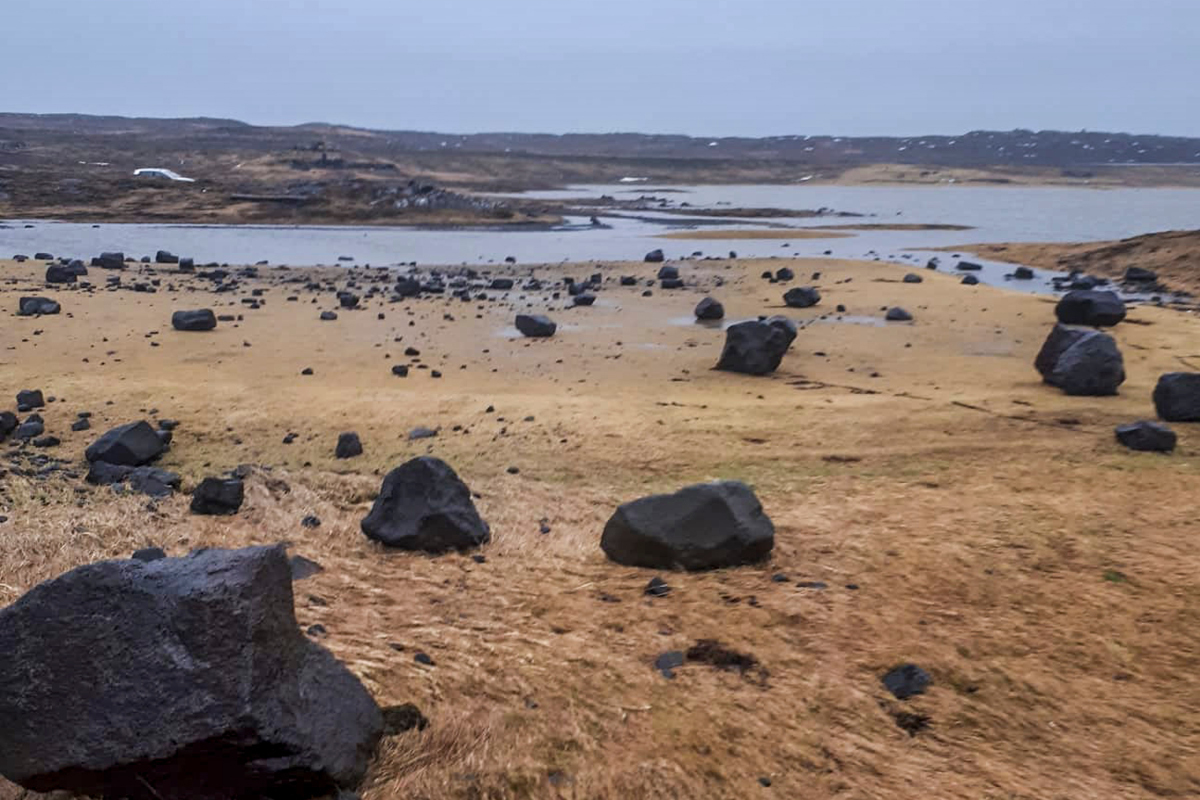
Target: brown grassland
{"points": [[961, 514]]}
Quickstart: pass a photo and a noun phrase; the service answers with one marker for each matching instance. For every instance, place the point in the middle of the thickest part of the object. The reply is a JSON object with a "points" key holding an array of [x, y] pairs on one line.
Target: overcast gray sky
{"points": [[703, 67]]}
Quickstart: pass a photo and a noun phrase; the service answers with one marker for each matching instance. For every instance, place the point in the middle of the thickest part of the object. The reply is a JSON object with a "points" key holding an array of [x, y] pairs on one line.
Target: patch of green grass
{"points": [[1115, 576]]}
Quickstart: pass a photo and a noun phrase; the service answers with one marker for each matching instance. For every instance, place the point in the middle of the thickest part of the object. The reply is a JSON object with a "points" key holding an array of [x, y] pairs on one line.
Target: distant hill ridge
{"points": [[977, 148]]}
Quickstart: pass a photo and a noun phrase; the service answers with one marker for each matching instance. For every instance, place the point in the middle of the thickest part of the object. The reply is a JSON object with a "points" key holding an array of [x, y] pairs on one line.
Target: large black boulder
{"points": [[130, 445], [60, 273], [536, 325], [1090, 307], [1177, 397], [218, 496], [1146, 436], [177, 679], [667, 272], [710, 309], [8, 423], [165, 257], [423, 505], [1139, 275], [37, 306], [1081, 362], [200, 320], [802, 297], [706, 526], [754, 348], [655, 257]]}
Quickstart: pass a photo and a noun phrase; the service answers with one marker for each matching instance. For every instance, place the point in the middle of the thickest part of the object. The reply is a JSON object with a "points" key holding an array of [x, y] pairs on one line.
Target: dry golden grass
{"points": [[1044, 576]]}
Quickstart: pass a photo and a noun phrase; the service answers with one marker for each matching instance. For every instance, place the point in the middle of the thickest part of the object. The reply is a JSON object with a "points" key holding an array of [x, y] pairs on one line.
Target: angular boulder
{"points": [[655, 257], [1177, 397], [667, 272], [802, 297], [706, 526], [1150, 437], [31, 398], [218, 497], [165, 257], [536, 326], [1081, 362], [1098, 309], [754, 347], [200, 320], [709, 309], [177, 679], [130, 445], [423, 505]]}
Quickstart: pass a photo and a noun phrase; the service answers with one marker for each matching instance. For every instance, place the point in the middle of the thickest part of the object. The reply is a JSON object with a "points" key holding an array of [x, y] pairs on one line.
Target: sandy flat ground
{"points": [[957, 513]]}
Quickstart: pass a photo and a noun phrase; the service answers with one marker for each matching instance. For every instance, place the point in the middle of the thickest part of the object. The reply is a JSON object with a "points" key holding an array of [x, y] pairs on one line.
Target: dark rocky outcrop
{"points": [[755, 348], [1177, 397], [423, 505], [199, 320], [655, 257], [165, 257], [667, 272], [706, 526], [218, 496], [1081, 362], [1146, 436], [536, 325], [802, 297], [1140, 275], [130, 445], [709, 309], [60, 273], [1090, 307], [177, 679]]}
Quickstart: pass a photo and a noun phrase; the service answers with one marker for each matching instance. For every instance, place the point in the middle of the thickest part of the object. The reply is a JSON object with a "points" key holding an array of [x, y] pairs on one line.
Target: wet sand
{"points": [[934, 502]]}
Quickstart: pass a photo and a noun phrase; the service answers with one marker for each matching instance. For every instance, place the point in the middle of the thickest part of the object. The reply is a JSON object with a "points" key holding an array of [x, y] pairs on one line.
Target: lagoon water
{"points": [[996, 214]]}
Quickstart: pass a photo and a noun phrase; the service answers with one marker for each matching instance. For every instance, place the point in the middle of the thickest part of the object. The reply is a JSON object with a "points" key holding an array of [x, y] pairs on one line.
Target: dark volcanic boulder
{"points": [[218, 496], [1177, 397], [328, 316], [655, 257], [60, 273], [707, 526], [754, 348], [30, 398], [109, 261], [1081, 362], [130, 445], [667, 272], [709, 309], [585, 299], [1146, 436], [423, 505], [897, 314], [1089, 307], [1022, 274], [348, 445], [671, 283], [802, 297], [501, 284], [913, 277], [8, 423], [186, 675], [165, 257], [145, 480], [970, 280], [968, 266], [200, 320], [536, 325], [34, 306]]}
